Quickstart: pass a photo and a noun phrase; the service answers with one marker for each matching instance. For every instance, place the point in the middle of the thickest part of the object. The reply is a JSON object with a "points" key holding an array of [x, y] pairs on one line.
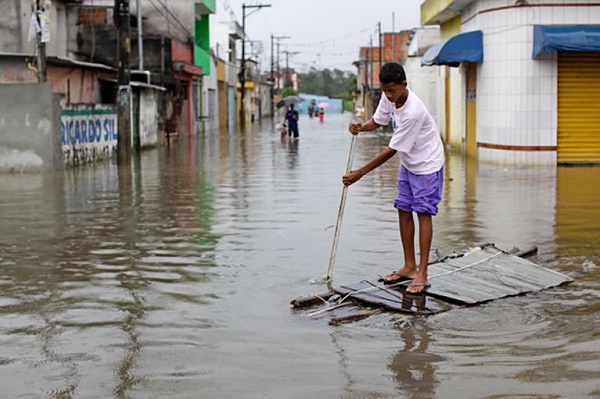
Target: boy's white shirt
{"points": [[416, 137]]}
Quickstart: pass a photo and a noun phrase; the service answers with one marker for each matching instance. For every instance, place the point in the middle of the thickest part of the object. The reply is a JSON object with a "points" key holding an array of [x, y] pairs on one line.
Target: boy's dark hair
{"points": [[392, 72]]}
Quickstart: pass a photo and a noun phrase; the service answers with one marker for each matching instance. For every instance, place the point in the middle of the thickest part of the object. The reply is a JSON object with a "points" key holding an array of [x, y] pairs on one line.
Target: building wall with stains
{"points": [[15, 20], [29, 123], [16, 69]]}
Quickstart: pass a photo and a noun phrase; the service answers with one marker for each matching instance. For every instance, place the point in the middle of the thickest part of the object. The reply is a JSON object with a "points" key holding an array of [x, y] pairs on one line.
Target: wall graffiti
{"points": [[89, 133]]}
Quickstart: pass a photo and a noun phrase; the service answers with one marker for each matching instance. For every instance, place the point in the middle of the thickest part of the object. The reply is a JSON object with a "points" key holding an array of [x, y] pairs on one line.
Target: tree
{"points": [[288, 91], [336, 83]]}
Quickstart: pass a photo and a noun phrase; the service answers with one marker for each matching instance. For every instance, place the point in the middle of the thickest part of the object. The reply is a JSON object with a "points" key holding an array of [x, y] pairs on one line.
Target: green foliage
{"points": [[335, 84], [288, 91], [349, 105]]}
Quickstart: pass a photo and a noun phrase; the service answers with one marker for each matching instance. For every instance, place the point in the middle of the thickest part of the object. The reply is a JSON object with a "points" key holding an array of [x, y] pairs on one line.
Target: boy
{"points": [[420, 179]]}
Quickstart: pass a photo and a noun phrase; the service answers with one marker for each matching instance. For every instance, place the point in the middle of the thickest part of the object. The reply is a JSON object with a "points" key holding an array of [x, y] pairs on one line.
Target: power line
{"points": [[228, 8], [181, 26], [333, 40], [334, 43]]}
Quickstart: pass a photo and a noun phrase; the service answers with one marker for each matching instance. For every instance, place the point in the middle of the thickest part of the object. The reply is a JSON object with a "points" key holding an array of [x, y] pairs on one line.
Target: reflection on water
{"points": [[414, 367], [167, 277], [577, 199]]}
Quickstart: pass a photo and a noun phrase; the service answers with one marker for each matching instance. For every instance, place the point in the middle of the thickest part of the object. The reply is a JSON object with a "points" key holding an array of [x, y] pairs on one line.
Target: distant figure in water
{"points": [[291, 117], [321, 114]]}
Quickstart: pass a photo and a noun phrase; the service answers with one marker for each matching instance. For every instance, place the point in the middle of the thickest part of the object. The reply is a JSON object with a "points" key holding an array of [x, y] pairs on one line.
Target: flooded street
{"points": [[172, 278]]}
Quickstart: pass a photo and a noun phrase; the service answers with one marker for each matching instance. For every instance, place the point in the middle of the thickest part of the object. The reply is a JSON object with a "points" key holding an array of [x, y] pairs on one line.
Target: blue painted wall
{"points": [[336, 105]]}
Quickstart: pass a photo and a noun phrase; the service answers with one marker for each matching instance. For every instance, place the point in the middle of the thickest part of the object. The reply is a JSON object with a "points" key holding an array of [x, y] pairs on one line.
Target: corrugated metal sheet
{"points": [[479, 275], [578, 107], [488, 273]]}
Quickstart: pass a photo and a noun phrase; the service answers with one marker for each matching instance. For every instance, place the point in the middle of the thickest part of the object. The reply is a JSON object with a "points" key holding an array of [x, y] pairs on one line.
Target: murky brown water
{"points": [[172, 278]]}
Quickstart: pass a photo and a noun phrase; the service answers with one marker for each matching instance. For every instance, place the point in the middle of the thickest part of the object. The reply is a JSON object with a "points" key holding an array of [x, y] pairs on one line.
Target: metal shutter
{"points": [[578, 107]]}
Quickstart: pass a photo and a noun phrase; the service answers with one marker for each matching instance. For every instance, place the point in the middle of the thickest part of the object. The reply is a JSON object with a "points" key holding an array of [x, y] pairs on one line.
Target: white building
{"points": [[533, 97], [425, 82]]}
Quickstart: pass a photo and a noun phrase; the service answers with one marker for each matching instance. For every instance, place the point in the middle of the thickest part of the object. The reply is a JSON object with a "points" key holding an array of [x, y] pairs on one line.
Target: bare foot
{"points": [[418, 287], [401, 275]]}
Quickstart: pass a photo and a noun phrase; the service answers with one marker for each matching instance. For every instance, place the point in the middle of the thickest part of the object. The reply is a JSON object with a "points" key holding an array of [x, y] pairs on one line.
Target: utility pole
{"points": [[380, 49], [278, 38], [371, 60], [273, 87], [272, 81], [140, 35], [278, 71], [287, 63], [393, 38], [242, 75], [41, 45], [123, 90]]}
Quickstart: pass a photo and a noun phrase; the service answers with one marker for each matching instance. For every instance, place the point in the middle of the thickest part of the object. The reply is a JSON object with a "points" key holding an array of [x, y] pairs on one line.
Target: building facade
{"points": [[425, 82], [532, 95], [394, 47]]}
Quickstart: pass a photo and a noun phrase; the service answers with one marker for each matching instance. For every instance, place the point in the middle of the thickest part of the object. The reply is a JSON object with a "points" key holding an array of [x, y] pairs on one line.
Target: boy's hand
{"points": [[355, 127], [352, 177]]}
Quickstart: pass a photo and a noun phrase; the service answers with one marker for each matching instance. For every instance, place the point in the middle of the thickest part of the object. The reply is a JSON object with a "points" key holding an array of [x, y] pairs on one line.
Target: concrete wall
{"points": [[456, 118], [10, 27], [148, 118], [265, 100], [15, 19], [210, 109], [29, 128], [428, 85], [13, 69], [426, 82], [453, 92]]}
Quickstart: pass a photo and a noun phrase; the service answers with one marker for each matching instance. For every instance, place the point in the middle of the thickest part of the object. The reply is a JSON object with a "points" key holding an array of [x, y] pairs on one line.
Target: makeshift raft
{"points": [[480, 274]]}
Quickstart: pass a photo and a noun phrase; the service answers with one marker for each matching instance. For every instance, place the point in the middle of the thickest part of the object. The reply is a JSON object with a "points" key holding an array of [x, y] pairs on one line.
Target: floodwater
{"points": [[172, 277]]}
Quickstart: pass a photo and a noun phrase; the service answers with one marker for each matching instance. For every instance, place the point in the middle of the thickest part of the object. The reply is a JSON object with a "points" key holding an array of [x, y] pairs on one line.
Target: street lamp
{"points": [[243, 62]]}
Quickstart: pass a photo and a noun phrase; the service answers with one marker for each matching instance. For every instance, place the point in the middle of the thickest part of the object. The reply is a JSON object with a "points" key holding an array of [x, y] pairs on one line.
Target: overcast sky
{"points": [[323, 33]]}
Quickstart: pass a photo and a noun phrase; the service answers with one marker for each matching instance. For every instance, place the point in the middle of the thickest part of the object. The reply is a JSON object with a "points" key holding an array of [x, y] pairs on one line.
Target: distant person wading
{"points": [[291, 118]]}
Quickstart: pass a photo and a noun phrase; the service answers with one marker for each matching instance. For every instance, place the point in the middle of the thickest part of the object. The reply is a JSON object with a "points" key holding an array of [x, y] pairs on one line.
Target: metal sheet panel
{"points": [[479, 275], [488, 273], [578, 107]]}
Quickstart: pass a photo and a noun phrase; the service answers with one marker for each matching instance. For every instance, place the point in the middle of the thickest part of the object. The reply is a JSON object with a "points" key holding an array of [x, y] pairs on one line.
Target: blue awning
{"points": [[465, 47], [547, 38]]}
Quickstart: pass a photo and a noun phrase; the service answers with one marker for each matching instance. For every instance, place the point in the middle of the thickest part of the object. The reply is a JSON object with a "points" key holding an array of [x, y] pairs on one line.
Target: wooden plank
{"points": [[333, 309], [311, 300], [392, 298], [488, 273], [344, 313], [336, 321]]}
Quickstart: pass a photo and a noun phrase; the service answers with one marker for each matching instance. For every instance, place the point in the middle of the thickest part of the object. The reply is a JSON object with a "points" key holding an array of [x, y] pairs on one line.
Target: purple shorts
{"points": [[419, 193]]}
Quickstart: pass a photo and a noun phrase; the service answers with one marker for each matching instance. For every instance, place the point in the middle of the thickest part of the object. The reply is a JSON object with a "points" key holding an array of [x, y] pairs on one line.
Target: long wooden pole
{"points": [[338, 224]]}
